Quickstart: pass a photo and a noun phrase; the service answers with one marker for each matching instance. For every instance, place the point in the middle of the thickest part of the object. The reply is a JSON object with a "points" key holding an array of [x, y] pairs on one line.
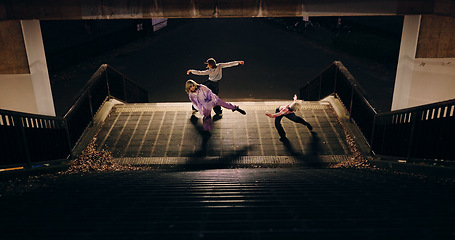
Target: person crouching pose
{"points": [[288, 112], [204, 100]]}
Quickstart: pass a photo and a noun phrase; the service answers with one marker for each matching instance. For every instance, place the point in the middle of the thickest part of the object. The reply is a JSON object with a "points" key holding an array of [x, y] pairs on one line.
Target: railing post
{"points": [[352, 99], [19, 121], [107, 83], [124, 89], [336, 78], [308, 91], [70, 146], [320, 86], [411, 136], [90, 104], [372, 132]]}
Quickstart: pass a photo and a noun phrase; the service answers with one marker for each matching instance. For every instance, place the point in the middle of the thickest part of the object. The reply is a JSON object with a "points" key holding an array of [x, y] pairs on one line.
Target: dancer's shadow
{"points": [[204, 134], [310, 159], [200, 160]]}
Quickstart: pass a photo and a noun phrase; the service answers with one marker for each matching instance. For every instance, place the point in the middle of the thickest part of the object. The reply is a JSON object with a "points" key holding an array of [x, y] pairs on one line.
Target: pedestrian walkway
{"points": [[167, 134]]}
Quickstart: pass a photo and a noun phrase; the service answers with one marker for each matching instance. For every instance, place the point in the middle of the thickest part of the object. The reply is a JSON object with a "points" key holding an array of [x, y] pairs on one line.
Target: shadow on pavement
{"points": [[199, 161], [311, 159]]}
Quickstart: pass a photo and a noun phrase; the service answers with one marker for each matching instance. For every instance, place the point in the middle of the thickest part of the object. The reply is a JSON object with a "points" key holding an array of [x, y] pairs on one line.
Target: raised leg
{"points": [[298, 119]]}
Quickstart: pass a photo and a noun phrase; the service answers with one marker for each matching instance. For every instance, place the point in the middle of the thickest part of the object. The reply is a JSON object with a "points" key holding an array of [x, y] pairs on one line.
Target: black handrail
{"points": [[26, 139], [106, 83], [424, 132], [336, 79]]}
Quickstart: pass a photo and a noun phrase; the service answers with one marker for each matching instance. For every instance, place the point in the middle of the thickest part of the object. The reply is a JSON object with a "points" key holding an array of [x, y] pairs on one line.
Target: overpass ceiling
{"points": [[130, 9]]}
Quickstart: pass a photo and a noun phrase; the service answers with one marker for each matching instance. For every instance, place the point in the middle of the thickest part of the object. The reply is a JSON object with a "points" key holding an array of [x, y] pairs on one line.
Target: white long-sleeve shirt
{"points": [[215, 74]]}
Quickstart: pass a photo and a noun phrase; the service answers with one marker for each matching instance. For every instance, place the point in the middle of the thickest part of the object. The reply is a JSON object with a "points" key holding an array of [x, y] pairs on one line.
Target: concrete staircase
{"points": [[241, 183]]}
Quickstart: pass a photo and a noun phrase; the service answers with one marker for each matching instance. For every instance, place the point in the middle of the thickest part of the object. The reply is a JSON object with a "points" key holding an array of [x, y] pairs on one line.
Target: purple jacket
{"points": [[203, 98]]}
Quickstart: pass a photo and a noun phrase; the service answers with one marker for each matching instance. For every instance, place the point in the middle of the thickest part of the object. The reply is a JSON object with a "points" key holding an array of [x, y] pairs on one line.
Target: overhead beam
{"points": [[128, 9]]}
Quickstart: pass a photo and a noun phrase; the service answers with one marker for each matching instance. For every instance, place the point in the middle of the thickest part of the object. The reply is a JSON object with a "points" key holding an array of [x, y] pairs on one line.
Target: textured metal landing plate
{"points": [[241, 160], [164, 130], [162, 107]]}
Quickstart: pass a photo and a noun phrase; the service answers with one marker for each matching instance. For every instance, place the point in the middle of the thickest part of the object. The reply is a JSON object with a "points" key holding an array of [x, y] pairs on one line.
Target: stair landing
{"points": [[165, 133]]}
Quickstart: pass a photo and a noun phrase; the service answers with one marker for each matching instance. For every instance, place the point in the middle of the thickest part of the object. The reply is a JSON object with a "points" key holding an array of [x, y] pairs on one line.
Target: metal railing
{"points": [[424, 132], [336, 79], [105, 83], [29, 138], [26, 139]]}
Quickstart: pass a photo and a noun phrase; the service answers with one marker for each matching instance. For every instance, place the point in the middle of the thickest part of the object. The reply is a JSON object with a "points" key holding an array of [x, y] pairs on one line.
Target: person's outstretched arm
{"points": [[230, 64], [197, 72], [285, 110], [270, 115]]}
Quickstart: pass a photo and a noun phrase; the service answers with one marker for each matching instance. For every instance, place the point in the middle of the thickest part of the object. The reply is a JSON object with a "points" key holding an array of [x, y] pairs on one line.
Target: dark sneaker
{"points": [[284, 139], [217, 117], [239, 110], [309, 127], [193, 119]]}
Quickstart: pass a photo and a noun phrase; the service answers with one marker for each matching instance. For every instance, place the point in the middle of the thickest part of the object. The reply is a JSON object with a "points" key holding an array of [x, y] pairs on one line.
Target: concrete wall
{"points": [[24, 80], [436, 37], [13, 57], [430, 77], [16, 88], [433, 81], [16, 93]]}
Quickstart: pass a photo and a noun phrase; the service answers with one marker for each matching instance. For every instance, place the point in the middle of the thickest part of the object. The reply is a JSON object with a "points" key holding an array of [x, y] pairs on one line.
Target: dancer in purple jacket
{"points": [[204, 100], [288, 111]]}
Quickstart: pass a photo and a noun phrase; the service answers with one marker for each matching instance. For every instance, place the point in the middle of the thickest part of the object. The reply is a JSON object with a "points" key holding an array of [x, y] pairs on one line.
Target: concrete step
{"points": [[247, 203]]}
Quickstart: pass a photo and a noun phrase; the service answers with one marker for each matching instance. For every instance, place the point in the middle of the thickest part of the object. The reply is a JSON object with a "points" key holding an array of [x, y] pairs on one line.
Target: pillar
{"points": [[405, 67]]}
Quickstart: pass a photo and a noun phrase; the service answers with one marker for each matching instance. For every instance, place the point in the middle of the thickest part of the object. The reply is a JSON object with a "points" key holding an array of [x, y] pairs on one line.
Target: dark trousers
{"points": [[215, 87], [290, 116]]}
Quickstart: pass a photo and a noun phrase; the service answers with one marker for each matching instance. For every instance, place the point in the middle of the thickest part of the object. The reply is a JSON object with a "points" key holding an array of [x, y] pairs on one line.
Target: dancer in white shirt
{"points": [[215, 73]]}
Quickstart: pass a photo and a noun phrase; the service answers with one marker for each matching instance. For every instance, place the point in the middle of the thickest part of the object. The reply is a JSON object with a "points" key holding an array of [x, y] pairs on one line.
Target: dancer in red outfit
{"points": [[288, 111]]}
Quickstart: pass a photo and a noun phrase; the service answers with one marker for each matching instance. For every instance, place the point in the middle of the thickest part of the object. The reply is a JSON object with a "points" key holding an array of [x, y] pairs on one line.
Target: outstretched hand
{"points": [[242, 62], [188, 72], [268, 115]]}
